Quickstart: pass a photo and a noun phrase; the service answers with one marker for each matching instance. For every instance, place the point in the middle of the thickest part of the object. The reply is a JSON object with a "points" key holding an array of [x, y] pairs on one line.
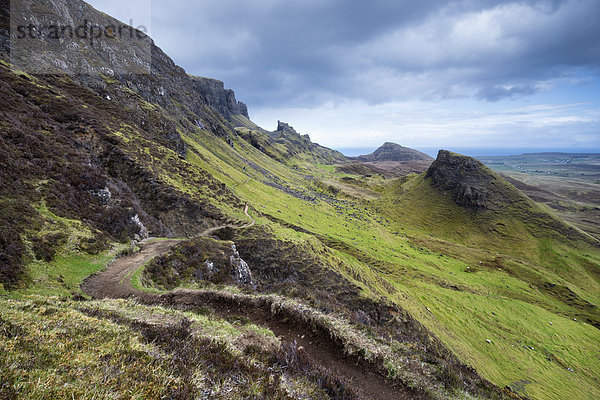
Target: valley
{"points": [[567, 183], [156, 243]]}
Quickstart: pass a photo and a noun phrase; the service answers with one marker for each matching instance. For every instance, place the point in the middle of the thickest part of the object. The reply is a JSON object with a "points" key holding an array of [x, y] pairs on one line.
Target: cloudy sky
{"points": [[477, 76]]}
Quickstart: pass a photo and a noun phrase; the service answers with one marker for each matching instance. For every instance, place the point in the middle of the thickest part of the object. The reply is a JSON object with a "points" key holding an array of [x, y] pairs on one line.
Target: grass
{"points": [[504, 279], [420, 269], [63, 275], [138, 352], [46, 354], [69, 265], [425, 270], [137, 282], [466, 277], [466, 321]]}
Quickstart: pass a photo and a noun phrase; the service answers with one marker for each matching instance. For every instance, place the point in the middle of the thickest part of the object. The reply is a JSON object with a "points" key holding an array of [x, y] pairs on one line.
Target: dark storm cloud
{"points": [[298, 52]]}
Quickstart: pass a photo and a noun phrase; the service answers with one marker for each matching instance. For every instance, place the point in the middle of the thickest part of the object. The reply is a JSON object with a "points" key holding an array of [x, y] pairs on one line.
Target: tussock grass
{"points": [[402, 362], [119, 349]]}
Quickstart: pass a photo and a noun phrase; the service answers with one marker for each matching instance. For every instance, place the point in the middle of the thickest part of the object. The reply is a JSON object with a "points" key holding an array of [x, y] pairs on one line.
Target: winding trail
{"points": [[115, 282]]}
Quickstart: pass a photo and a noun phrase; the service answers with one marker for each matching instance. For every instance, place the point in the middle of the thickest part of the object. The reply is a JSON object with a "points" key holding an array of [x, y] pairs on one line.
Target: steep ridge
{"points": [[464, 189], [471, 183], [459, 199], [120, 68], [475, 187], [287, 146], [86, 158]]}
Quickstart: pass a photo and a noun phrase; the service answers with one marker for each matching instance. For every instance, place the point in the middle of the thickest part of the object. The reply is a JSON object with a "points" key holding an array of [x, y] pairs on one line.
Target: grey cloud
{"points": [[497, 93], [298, 52]]}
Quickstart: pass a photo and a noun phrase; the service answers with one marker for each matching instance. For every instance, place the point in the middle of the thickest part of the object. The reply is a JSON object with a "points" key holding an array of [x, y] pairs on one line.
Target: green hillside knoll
{"points": [[513, 267]]}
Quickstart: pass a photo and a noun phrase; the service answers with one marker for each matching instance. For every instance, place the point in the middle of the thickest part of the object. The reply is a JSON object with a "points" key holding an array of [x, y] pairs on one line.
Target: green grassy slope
{"points": [[468, 277], [499, 276], [510, 279]]}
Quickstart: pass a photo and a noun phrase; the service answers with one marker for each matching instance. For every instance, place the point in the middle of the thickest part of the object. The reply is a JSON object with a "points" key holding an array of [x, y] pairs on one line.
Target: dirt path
{"points": [[115, 282]]}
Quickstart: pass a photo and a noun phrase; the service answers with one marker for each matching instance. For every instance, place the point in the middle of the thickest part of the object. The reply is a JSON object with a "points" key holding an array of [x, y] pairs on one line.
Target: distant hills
{"points": [[390, 160], [394, 152]]}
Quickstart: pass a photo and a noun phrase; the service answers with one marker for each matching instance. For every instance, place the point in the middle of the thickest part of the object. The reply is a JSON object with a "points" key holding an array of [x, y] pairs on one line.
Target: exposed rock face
{"points": [[133, 60], [470, 182], [285, 127], [239, 268], [394, 152], [143, 234], [221, 99], [295, 145], [104, 195], [207, 271]]}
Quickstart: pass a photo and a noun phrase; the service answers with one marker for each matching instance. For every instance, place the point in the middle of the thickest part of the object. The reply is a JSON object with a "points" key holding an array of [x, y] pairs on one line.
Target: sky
{"points": [[481, 77]]}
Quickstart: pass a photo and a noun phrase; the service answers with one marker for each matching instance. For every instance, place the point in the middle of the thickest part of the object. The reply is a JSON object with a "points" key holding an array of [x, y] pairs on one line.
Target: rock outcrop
{"points": [[240, 271], [394, 152], [215, 95], [285, 144], [285, 127], [470, 182]]}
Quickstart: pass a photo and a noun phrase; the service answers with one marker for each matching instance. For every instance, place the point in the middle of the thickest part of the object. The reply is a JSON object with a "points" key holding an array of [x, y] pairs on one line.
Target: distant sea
{"points": [[473, 152]]}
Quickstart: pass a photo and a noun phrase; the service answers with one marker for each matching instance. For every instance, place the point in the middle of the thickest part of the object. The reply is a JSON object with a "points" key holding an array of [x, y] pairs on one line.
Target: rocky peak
{"points": [[284, 127], [221, 99], [394, 152], [470, 182], [286, 130]]}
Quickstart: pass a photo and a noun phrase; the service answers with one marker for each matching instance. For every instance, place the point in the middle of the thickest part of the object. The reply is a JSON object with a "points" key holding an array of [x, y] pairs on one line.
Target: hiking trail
{"points": [[115, 282]]}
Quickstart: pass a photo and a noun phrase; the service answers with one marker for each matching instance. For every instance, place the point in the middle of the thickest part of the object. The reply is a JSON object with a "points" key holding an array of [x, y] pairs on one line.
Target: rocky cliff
{"points": [[127, 57], [297, 143], [394, 152], [288, 146], [223, 100]]}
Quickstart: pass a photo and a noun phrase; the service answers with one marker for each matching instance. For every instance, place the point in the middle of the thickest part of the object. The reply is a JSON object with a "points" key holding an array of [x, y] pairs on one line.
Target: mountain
{"points": [[459, 199], [154, 241], [475, 187], [394, 152]]}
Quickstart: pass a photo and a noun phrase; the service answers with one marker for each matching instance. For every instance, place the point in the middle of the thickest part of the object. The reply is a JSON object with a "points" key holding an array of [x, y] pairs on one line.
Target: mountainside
{"points": [[286, 145], [394, 152], [156, 243], [116, 68]]}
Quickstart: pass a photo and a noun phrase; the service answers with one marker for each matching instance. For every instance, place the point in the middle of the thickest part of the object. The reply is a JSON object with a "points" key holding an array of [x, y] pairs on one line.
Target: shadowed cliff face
{"points": [[470, 182], [132, 60], [221, 99]]}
